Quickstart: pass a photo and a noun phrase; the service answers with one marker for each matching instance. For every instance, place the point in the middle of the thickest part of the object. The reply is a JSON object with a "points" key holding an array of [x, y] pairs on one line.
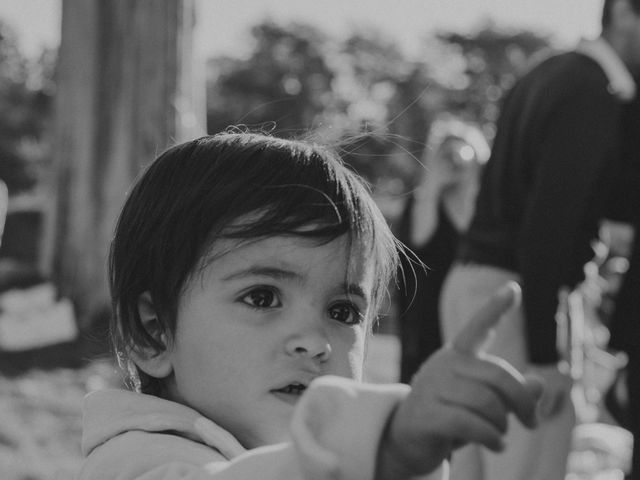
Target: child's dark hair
{"points": [[193, 194]]}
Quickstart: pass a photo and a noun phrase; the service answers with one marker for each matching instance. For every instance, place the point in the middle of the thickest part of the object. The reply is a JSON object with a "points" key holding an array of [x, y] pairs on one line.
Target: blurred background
{"points": [[91, 91]]}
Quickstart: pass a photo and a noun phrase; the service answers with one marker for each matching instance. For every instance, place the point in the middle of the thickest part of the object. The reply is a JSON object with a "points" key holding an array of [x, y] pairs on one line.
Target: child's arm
{"points": [[459, 396]]}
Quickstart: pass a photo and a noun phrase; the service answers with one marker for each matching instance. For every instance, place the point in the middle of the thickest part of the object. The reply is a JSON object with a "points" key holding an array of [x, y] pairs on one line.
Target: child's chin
{"points": [[269, 436]]}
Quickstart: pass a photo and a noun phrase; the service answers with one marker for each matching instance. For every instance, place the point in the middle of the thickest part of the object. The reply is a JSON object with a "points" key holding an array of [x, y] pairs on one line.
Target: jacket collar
{"points": [[621, 83], [108, 413]]}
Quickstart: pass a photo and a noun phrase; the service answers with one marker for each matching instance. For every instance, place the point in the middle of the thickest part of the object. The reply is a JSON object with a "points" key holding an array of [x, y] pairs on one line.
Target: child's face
{"points": [[260, 322]]}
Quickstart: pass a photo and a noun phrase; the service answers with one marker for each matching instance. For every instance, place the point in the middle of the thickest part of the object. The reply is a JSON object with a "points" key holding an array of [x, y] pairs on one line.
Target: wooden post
{"points": [[128, 87]]}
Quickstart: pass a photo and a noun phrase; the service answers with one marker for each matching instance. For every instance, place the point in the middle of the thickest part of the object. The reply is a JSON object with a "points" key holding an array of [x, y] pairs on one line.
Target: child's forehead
{"points": [[352, 251], [285, 245], [296, 253]]}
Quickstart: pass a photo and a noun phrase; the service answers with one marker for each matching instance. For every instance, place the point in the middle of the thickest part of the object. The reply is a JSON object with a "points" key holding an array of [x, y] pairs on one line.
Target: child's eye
{"points": [[346, 313], [262, 298]]}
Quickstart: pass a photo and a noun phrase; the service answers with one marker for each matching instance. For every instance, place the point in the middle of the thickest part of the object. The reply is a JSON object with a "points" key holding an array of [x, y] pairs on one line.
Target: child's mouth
{"points": [[290, 393]]}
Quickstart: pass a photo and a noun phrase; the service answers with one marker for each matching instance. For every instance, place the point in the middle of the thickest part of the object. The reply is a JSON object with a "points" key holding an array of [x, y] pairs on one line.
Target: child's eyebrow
{"points": [[354, 289], [271, 272], [289, 275]]}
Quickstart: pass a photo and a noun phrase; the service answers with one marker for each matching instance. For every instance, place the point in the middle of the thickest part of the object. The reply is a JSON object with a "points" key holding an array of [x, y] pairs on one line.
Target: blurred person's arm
{"points": [[572, 157], [623, 202]]}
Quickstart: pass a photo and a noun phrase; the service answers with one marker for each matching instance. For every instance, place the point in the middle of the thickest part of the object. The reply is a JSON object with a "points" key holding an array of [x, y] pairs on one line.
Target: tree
{"points": [[127, 88], [383, 102], [296, 79], [488, 63], [25, 106], [284, 84]]}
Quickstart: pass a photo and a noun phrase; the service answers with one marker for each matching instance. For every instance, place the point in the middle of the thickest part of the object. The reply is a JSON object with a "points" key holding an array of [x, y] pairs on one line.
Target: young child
{"points": [[246, 272]]}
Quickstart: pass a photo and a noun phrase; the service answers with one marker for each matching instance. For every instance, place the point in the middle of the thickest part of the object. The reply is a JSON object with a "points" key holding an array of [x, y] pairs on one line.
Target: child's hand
{"points": [[460, 395]]}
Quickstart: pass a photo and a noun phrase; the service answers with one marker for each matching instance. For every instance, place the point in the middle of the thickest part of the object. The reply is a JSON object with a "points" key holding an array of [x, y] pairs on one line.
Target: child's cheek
{"points": [[357, 355]]}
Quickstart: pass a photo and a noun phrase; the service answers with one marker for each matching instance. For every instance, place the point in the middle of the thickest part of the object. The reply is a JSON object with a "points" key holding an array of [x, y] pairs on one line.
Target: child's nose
{"points": [[310, 344]]}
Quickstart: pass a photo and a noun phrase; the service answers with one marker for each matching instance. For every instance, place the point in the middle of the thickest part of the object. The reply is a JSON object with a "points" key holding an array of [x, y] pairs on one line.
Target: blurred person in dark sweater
{"points": [[542, 194]]}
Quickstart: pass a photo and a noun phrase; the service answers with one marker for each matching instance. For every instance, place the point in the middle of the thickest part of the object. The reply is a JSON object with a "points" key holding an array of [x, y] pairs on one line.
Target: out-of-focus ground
{"points": [[40, 420]]}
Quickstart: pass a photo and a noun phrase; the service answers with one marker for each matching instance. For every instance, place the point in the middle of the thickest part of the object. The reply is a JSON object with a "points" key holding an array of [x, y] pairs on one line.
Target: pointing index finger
{"points": [[471, 338]]}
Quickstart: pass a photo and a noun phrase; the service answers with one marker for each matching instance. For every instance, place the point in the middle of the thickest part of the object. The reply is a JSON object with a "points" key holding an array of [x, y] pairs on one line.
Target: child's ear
{"points": [[153, 362]]}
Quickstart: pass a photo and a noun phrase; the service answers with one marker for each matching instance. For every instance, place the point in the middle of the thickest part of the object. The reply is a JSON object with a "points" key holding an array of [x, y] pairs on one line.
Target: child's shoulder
{"points": [[134, 453], [130, 432]]}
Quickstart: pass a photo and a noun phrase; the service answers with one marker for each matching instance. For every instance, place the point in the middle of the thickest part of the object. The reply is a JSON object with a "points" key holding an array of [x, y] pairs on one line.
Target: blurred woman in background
{"points": [[435, 214]]}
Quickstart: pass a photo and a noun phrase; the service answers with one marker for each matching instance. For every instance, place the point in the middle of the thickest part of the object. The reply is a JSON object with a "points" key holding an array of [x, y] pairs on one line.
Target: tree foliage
{"points": [[285, 82], [363, 93], [297, 79], [490, 61], [26, 90]]}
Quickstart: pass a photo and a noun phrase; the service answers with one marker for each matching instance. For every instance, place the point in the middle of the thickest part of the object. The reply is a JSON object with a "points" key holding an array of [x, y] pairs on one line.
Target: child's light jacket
{"points": [[335, 433]]}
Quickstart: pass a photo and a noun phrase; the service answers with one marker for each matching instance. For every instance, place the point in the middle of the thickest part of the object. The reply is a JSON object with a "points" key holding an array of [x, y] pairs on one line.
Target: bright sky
{"points": [[223, 24]]}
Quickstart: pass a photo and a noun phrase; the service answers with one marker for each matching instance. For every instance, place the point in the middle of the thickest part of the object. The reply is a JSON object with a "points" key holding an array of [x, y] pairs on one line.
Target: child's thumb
{"points": [[534, 385]]}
